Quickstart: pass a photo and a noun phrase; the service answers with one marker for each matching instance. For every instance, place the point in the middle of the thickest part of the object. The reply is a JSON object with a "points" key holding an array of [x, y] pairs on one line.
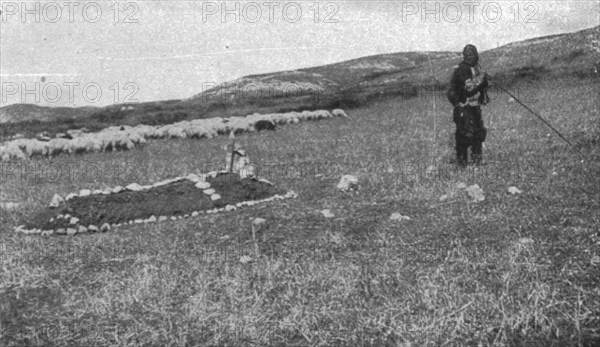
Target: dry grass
{"points": [[513, 270]]}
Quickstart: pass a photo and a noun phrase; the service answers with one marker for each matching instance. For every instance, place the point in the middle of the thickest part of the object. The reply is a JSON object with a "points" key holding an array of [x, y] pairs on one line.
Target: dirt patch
{"points": [[177, 199]]}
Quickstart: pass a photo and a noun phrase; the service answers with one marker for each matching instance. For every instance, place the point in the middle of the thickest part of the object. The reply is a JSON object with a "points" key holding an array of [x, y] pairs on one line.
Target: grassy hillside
{"points": [[346, 84], [512, 270]]}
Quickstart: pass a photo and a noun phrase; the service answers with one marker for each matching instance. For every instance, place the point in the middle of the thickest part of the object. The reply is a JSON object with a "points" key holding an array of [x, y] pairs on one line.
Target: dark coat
{"points": [[458, 92]]}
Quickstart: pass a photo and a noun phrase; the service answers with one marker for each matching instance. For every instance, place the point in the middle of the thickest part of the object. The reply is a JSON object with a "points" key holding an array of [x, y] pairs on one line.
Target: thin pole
{"points": [[542, 119], [434, 108]]}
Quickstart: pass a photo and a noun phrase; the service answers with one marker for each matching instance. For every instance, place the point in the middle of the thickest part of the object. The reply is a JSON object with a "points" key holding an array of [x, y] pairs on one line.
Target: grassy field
{"points": [[512, 270]]}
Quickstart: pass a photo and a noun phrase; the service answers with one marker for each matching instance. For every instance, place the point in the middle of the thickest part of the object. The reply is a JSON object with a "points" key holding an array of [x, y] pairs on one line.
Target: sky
{"points": [[96, 53]]}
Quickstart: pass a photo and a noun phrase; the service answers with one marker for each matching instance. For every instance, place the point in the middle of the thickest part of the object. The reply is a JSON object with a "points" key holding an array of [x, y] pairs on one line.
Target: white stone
{"points": [[347, 182], [173, 218], [203, 185], [138, 221], [117, 189], [265, 181], [195, 213], [67, 216], [209, 191], [56, 200], [134, 187], [327, 213], [398, 217], [97, 191], [105, 227], [92, 228], [259, 222], [85, 192], [162, 218], [475, 193], [443, 197], [514, 190], [60, 216], [525, 240], [215, 197], [230, 208], [47, 232], [152, 219], [71, 231], [73, 220], [61, 231], [245, 259], [70, 196], [82, 229], [193, 177]]}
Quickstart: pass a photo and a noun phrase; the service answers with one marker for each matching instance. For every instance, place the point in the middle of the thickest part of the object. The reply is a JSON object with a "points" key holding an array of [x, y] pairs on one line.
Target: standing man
{"points": [[467, 93]]}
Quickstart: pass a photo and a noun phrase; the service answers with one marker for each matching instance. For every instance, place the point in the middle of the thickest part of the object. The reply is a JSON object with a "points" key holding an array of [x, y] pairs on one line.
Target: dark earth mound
{"points": [[171, 200]]}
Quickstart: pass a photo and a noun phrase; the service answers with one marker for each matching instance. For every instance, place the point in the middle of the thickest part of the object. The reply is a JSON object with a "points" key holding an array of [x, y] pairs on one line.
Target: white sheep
{"points": [[36, 147], [10, 151], [339, 113], [57, 146], [176, 132]]}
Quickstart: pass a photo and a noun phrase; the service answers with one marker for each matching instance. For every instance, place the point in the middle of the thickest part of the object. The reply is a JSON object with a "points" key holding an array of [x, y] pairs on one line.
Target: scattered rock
{"points": [[347, 182], [117, 189], [138, 221], [67, 216], [229, 208], [327, 213], [595, 261], [525, 240], [209, 191], [85, 192], [56, 201], [93, 228], [71, 231], [82, 229], [134, 187], [47, 232], [514, 190], [97, 191], [193, 177], [245, 259], [105, 227], [152, 219], [162, 218], [195, 214], [215, 197], [444, 197], [61, 231], [173, 218], [70, 196], [203, 185], [475, 193], [74, 220], [398, 217], [265, 181], [258, 222]]}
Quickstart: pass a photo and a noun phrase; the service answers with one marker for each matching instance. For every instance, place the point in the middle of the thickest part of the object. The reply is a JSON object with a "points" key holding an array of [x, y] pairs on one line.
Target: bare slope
{"points": [[346, 84]]}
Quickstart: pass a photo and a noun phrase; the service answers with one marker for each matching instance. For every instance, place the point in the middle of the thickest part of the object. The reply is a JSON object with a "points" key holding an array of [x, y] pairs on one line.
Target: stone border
{"points": [[200, 181]]}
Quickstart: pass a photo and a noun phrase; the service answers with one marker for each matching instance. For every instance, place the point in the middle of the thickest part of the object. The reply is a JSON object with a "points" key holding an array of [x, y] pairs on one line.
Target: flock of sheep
{"points": [[127, 137]]}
